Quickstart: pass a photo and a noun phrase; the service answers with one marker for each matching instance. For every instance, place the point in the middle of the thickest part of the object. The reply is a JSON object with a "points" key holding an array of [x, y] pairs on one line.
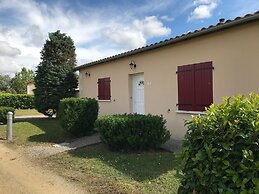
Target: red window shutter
{"points": [[186, 98], [107, 89], [100, 89], [203, 85], [104, 90]]}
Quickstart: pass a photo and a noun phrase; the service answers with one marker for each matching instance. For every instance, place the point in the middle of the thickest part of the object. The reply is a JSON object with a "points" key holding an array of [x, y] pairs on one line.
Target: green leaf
{"points": [[234, 178], [198, 172], [226, 162], [222, 143]]}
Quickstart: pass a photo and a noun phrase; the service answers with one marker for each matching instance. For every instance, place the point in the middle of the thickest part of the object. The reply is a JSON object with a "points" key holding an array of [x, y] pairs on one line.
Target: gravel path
{"points": [[21, 118], [42, 151], [48, 150]]}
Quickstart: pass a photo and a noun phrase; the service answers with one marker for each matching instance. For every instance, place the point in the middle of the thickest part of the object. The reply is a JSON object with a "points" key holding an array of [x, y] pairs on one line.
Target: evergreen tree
{"points": [[55, 78]]}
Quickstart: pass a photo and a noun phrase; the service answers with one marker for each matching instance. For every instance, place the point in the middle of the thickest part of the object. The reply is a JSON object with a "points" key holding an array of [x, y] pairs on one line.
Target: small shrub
{"points": [[133, 131], [3, 113], [220, 151], [17, 101], [78, 115]]}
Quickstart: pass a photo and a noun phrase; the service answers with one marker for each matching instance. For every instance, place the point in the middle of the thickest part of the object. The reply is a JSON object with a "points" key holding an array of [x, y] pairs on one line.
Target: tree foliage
{"points": [[78, 115], [55, 78], [5, 83], [21, 79]]}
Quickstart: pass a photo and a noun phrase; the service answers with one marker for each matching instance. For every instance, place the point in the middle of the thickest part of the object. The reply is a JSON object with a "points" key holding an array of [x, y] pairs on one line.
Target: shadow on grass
{"points": [[45, 130], [139, 166]]}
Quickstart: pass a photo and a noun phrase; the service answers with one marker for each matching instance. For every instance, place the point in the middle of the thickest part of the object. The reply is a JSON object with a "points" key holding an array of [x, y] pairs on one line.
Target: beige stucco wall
{"points": [[30, 88], [234, 53]]}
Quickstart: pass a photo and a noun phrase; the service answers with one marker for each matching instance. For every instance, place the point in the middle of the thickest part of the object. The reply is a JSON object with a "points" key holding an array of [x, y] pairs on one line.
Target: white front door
{"points": [[138, 94]]}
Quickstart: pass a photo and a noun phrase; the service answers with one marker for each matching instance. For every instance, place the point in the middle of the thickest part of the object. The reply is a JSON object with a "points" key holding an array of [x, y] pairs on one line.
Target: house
{"points": [[30, 87], [178, 77]]}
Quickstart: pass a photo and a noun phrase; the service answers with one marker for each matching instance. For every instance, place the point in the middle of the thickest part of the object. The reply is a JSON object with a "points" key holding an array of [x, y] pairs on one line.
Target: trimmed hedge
{"points": [[220, 150], [78, 115], [3, 113], [133, 131], [17, 101]]}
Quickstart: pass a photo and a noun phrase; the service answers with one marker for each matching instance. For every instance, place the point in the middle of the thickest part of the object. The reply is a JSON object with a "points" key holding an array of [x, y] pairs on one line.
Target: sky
{"points": [[102, 28]]}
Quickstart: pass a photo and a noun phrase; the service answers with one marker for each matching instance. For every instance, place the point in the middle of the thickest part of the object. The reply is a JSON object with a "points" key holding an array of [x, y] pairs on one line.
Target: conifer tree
{"points": [[55, 78]]}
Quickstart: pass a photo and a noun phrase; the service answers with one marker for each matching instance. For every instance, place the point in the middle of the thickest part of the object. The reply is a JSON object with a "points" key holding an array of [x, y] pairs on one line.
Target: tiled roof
{"points": [[213, 28]]}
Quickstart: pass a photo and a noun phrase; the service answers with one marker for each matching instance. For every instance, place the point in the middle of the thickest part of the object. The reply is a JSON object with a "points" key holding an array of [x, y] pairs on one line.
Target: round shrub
{"points": [[133, 131], [3, 113], [78, 115], [220, 150]]}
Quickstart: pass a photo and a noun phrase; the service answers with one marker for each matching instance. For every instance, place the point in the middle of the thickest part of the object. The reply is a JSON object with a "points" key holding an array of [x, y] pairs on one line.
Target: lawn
{"points": [[36, 131], [26, 112], [97, 168], [103, 171]]}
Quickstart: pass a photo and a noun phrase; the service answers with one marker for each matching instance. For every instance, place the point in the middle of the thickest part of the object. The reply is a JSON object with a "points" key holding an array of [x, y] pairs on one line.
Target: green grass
{"points": [[26, 112], [36, 131], [97, 168], [149, 172]]}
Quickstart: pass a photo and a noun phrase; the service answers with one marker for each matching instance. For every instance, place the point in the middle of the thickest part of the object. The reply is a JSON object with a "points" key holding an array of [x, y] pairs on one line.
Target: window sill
{"points": [[190, 112], [104, 100]]}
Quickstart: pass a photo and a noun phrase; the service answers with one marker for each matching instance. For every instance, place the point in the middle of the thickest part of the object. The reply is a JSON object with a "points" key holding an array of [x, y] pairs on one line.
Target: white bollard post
{"points": [[9, 132]]}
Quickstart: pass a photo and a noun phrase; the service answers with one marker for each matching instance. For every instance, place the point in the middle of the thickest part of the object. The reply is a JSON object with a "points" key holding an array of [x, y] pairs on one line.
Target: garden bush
{"points": [[133, 131], [220, 151], [3, 113], [17, 101], [78, 115]]}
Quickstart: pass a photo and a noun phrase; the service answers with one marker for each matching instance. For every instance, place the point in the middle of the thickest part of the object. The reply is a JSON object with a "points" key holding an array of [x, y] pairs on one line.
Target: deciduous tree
{"points": [[5, 83], [21, 79]]}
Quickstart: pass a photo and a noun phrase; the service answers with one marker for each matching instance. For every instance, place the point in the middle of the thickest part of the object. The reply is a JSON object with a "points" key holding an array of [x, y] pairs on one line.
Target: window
{"points": [[104, 89], [195, 86]]}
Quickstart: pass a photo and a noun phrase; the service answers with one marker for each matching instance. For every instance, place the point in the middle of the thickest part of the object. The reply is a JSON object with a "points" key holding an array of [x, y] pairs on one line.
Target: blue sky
{"points": [[102, 28]]}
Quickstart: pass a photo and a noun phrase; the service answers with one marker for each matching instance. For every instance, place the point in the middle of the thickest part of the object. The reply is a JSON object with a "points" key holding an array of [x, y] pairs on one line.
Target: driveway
{"points": [[18, 175]]}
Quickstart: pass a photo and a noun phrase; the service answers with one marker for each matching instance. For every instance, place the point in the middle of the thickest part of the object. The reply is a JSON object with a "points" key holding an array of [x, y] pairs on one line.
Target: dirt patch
{"points": [[18, 175]]}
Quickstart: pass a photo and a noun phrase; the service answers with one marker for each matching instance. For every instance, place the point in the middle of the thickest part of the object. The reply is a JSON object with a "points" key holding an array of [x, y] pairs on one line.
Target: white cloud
{"points": [[136, 34], [154, 5], [86, 55], [97, 32], [8, 65], [34, 36], [198, 2], [203, 9], [151, 26], [167, 18], [7, 50], [15, 52], [128, 38]]}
